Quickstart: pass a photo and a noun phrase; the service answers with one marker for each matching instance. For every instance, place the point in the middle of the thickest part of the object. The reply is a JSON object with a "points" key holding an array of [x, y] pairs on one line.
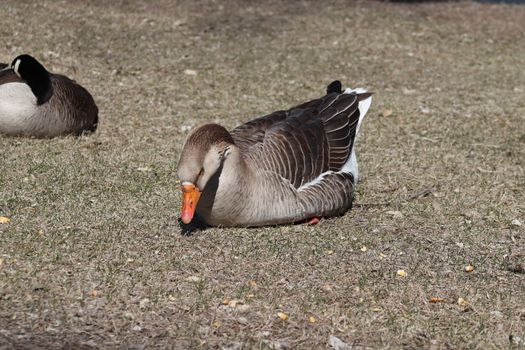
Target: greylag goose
{"points": [[35, 102], [285, 167]]}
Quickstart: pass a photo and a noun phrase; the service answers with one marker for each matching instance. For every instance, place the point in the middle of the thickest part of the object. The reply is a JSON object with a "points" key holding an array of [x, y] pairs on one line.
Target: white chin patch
{"points": [[15, 68]]}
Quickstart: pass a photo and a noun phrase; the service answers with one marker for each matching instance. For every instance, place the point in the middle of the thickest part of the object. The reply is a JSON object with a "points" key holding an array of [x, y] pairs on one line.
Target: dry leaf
{"points": [[253, 283], [94, 293], [436, 300], [225, 301], [235, 302], [387, 112], [311, 319], [282, 316], [216, 324], [364, 248], [462, 302], [469, 268], [401, 273], [194, 279], [4, 220]]}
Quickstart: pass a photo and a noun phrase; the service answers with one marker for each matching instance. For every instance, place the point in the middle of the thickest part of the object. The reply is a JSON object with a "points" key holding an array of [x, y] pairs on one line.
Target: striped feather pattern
{"points": [[304, 142], [283, 167]]}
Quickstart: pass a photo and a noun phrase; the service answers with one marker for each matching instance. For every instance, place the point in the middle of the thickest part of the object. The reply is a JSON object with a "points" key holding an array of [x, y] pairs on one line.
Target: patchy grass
{"points": [[93, 256]]}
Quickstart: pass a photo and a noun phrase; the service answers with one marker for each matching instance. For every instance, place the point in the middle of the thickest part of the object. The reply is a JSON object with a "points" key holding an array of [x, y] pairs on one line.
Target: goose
{"points": [[35, 102], [286, 167]]}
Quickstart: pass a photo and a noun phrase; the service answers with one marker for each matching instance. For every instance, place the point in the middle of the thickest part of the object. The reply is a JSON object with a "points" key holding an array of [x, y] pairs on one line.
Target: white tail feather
{"points": [[351, 164]]}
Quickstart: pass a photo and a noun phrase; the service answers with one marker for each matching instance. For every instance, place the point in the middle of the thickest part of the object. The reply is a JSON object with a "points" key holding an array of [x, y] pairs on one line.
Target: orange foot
{"points": [[313, 221]]}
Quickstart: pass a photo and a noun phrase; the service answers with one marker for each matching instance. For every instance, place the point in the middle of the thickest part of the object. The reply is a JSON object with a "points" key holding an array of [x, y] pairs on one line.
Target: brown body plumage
{"points": [[65, 108], [284, 167]]}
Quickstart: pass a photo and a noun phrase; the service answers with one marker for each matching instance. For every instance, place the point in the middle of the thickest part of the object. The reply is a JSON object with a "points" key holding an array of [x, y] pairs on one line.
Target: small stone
{"points": [[424, 110], [194, 279], [516, 340], [4, 220], [338, 344], [312, 319], [276, 345], [469, 268], [516, 223], [144, 303], [191, 72]]}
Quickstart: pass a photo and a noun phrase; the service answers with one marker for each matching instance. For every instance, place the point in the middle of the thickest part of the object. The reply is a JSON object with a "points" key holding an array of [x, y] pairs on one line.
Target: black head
{"points": [[35, 75]]}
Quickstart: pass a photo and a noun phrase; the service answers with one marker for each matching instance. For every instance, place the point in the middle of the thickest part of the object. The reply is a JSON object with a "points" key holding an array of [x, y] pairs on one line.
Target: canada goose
{"points": [[35, 102], [284, 167]]}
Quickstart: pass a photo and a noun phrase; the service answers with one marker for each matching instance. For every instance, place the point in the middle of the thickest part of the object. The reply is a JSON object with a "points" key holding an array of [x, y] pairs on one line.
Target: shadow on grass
{"points": [[196, 225]]}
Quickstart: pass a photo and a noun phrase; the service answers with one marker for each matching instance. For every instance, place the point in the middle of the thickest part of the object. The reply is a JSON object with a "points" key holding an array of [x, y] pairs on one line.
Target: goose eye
{"points": [[200, 173]]}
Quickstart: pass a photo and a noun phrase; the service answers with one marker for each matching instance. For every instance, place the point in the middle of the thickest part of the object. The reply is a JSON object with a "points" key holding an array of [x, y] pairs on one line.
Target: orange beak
{"points": [[190, 197]]}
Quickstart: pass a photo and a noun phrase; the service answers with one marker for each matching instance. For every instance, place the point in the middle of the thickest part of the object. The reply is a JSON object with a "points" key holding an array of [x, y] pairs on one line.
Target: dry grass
{"points": [[94, 258]]}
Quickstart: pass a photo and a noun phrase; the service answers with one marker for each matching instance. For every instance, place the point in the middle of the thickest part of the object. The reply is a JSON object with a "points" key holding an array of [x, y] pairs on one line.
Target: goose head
{"points": [[35, 75], [204, 153]]}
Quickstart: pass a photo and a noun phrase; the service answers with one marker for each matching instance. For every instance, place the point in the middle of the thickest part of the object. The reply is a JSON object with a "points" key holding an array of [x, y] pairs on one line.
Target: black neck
{"points": [[40, 84]]}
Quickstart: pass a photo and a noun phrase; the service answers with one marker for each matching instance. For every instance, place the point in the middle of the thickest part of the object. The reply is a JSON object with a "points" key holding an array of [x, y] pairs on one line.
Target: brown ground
{"points": [[93, 256]]}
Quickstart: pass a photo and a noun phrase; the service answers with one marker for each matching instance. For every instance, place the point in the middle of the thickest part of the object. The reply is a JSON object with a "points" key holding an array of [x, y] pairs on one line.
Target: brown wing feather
{"points": [[254, 131], [307, 140], [8, 76]]}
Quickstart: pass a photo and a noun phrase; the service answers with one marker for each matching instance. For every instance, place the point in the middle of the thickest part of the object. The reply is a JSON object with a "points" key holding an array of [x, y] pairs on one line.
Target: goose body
{"points": [[35, 102], [284, 167]]}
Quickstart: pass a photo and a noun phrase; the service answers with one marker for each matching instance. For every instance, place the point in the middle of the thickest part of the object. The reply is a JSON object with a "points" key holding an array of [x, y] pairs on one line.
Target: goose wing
{"points": [[8, 76], [310, 139], [254, 131]]}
